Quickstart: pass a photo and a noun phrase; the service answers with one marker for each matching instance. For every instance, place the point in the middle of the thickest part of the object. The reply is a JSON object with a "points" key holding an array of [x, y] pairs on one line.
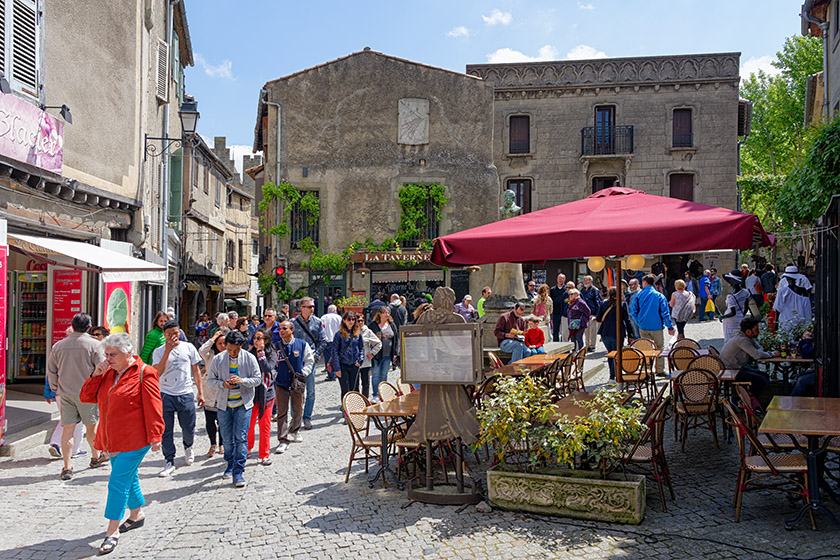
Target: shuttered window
{"points": [[682, 186], [176, 162], [162, 72], [520, 135], [241, 253], [20, 46], [682, 128]]}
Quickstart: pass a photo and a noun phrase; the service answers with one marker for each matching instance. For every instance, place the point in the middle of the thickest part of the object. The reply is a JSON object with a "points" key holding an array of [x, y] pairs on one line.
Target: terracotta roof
{"points": [[252, 172]]}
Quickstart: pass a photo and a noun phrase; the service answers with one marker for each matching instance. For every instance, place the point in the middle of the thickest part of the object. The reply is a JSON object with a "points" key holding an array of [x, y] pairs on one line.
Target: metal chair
{"points": [[404, 388], [756, 468], [565, 383], [686, 342], [680, 357], [644, 344], [634, 370], [359, 425], [387, 391], [697, 398], [650, 450], [576, 379]]}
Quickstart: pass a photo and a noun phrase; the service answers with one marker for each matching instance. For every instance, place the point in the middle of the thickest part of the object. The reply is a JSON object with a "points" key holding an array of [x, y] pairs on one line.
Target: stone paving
{"points": [[300, 507]]}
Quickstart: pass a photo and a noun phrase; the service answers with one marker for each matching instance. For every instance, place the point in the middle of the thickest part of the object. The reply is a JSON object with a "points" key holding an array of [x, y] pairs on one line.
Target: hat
{"points": [[734, 277], [792, 269], [468, 297]]}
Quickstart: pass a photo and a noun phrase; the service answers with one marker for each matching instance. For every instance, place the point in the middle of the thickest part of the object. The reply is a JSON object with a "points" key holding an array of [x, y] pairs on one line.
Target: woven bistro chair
{"points": [[680, 357], [359, 425], [576, 380], [549, 376], [686, 342], [404, 388], [565, 381], [634, 371], [643, 344], [712, 364], [714, 352], [696, 395], [387, 391], [495, 362], [650, 450], [777, 443], [756, 468]]}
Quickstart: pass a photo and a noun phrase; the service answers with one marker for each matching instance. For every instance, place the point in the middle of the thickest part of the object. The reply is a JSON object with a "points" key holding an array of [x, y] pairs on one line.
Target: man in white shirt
{"points": [[332, 322], [175, 361]]}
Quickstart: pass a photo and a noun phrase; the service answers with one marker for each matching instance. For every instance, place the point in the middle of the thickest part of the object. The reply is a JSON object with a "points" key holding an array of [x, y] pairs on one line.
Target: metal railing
{"points": [[598, 141]]}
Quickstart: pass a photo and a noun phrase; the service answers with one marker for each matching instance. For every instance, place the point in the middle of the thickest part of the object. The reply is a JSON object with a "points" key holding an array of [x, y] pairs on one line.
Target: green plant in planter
{"points": [[518, 422], [771, 341], [351, 301]]}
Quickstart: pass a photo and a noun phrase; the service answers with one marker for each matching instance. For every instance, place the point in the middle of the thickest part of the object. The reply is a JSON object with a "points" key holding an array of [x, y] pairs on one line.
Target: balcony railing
{"points": [[683, 140], [601, 141]]}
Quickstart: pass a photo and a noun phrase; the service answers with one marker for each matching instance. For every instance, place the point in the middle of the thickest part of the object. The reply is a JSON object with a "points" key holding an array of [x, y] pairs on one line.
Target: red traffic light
{"points": [[280, 270]]}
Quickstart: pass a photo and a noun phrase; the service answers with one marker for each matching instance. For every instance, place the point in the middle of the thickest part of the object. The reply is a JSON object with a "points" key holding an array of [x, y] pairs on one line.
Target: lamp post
{"points": [[188, 113]]}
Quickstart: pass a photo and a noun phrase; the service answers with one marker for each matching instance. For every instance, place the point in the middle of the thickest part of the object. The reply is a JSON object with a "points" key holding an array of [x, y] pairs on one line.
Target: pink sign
{"points": [[30, 135], [67, 301]]}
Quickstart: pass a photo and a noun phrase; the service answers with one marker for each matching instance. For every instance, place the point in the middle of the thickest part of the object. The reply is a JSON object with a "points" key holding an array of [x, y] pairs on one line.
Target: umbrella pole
{"points": [[618, 337]]}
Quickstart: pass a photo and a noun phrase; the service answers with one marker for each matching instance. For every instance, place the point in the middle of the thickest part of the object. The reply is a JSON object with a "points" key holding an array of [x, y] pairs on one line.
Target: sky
{"points": [[239, 46]]}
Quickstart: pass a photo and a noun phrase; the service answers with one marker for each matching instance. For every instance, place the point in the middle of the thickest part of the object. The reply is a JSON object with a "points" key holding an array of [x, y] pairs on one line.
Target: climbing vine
{"points": [[413, 198]]}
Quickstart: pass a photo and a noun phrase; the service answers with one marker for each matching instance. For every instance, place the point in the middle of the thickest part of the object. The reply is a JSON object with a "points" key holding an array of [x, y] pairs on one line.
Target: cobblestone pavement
{"points": [[300, 507]]}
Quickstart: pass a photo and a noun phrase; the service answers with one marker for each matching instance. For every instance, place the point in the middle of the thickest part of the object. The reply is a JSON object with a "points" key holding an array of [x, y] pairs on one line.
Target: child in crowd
{"points": [[534, 336]]}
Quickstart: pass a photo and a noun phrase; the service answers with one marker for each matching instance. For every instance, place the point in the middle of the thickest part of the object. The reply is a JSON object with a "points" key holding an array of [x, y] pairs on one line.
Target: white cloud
{"points": [[508, 55], [584, 52], [498, 16], [459, 31], [236, 152], [756, 63], [224, 70], [583, 6]]}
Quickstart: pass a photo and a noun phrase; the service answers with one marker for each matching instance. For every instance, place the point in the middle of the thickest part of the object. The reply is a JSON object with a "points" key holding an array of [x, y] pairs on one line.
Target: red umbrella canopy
{"points": [[614, 221]]}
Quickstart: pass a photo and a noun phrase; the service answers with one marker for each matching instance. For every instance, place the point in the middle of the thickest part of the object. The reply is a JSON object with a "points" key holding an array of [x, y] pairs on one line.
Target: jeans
{"points": [[680, 327], [210, 424], [757, 380], [233, 423], [184, 405], [327, 357], [556, 321], [309, 406], [349, 378], [517, 349], [577, 338], [378, 373], [703, 301], [124, 484], [611, 344], [364, 377], [804, 384]]}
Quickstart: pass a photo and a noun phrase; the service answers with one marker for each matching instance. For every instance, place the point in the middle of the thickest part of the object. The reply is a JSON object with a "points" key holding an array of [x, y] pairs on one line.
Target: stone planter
{"points": [[567, 493]]}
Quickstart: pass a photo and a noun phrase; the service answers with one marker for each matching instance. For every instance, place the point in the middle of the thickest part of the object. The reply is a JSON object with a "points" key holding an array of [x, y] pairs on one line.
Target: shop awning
{"points": [[113, 266], [230, 302], [243, 302]]}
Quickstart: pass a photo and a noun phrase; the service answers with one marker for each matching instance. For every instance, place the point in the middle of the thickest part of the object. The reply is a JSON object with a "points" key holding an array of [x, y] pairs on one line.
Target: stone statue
{"points": [[509, 209]]}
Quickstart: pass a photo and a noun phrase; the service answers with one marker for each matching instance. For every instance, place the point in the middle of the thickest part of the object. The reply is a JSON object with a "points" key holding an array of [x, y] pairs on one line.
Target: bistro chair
{"points": [[756, 468], [565, 384], [404, 388], [644, 344], [481, 394], [686, 342], [495, 362], [634, 371], [549, 375], [650, 450], [696, 396], [680, 357], [387, 391], [660, 394], [576, 380], [712, 364], [777, 443], [359, 425], [714, 352]]}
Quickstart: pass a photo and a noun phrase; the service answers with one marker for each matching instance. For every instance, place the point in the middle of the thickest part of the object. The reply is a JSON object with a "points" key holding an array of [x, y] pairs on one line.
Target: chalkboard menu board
{"points": [[447, 354]]}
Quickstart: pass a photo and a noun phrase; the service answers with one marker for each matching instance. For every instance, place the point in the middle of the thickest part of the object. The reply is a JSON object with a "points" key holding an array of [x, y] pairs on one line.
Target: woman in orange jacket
{"points": [[130, 423]]}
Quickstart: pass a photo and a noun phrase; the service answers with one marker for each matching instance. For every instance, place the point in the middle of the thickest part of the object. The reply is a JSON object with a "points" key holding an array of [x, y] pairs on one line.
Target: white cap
{"points": [[468, 296], [792, 269]]}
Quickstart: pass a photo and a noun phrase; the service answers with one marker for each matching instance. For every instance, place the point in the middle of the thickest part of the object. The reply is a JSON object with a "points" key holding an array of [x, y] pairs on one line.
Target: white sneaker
{"points": [[281, 448], [167, 470], [297, 438], [189, 456]]}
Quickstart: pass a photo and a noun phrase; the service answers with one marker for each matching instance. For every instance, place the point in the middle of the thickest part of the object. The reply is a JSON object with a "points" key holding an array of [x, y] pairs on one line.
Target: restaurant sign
{"points": [[386, 256], [30, 135]]}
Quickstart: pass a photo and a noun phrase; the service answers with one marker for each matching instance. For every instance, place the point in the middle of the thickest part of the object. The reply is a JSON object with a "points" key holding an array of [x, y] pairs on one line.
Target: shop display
{"points": [[31, 308]]}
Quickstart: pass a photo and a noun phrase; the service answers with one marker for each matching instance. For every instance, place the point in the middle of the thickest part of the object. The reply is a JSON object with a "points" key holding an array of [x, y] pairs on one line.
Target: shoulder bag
{"points": [[306, 330], [298, 379]]}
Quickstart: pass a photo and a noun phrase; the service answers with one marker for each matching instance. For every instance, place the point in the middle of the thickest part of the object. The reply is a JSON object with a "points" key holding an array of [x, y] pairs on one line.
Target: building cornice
{"points": [[611, 72]]}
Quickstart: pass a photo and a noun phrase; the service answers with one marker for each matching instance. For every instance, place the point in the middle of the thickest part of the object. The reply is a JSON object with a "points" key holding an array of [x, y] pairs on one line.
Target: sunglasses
{"points": [[261, 337], [283, 329], [307, 306], [112, 354]]}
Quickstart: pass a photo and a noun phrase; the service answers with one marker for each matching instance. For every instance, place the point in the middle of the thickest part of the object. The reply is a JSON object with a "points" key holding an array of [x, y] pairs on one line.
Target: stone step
{"points": [[28, 438]]}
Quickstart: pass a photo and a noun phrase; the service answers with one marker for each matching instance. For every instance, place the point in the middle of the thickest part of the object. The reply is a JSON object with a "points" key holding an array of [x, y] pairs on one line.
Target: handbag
{"points": [[298, 384], [574, 324]]}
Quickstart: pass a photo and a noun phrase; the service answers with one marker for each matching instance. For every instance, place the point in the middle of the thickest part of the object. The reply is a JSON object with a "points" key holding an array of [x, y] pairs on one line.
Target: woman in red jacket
{"points": [[130, 423]]}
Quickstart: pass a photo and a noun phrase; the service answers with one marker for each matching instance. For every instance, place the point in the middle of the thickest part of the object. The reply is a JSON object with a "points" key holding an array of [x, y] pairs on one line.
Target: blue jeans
{"points": [[124, 484], [611, 343], [327, 357], [517, 349], [757, 380], [378, 373], [309, 405], [804, 384], [184, 405], [703, 301], [234, 423]]}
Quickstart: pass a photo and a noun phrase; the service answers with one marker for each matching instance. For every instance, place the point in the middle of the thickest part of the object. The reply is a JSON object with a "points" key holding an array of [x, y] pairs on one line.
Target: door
{"points": [[604, 129]]}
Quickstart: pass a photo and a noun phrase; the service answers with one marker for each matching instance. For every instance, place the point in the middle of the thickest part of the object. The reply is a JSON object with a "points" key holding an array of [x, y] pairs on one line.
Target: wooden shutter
{"points": [[3, 34], [162, 86], [682, 128], [176, 192], [21, 49], [682, 186], [520, 135]]}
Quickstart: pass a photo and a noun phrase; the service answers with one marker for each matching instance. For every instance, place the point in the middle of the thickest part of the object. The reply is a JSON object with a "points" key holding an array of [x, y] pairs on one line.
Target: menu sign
{"points": [[67, 300]]}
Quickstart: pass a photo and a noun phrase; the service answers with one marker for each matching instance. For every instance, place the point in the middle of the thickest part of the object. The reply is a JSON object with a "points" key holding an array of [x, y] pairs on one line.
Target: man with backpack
{"points": [[310, 329]]}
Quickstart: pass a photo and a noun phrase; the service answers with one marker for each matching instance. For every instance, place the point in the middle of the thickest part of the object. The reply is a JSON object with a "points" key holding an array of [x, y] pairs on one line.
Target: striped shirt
{"points": [[234, 395]]}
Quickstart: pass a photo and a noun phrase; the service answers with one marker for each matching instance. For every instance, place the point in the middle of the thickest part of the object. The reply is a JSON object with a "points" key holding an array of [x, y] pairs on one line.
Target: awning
{"points": [[193, 286], [230, 302], [113, 266], [243, 302]]}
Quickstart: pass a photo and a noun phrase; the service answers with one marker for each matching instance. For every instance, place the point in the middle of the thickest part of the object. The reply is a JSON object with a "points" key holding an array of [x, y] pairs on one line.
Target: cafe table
{"points": [[573, 404], [802, 417], [787, 366], [542, 359], [385, 416], [516, 369]]}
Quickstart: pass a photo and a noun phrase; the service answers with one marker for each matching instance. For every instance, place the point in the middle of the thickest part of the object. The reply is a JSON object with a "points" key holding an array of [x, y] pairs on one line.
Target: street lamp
{"points": [[188, 113]]}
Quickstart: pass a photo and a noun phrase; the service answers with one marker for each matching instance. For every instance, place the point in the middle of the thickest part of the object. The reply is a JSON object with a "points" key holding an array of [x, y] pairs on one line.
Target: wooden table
{"points": [[648, 354], [787, 366], [515, 369], [541, 359], [814, 424], [572, 405], [805, 403], [385, 415]]}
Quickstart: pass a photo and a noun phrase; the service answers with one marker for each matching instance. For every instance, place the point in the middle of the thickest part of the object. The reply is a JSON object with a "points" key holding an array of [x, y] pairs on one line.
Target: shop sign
{"points": [[30, 135], [118, 306], [386, 256], [67, 301]]}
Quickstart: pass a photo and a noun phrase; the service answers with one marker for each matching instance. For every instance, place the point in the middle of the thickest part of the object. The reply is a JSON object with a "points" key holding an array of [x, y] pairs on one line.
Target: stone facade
{"points": [[358, 128]]}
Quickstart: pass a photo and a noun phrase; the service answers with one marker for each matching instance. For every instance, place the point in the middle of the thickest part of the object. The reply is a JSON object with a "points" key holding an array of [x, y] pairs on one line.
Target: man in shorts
{"points": [[70, 363]]}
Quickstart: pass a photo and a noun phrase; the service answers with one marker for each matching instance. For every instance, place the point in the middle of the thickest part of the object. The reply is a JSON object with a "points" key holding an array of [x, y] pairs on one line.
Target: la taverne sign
{"points": [[386, 256]]}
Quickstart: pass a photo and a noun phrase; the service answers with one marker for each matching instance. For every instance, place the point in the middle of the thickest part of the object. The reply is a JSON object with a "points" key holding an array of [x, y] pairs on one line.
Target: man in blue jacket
{"points": [[310, 329], [649, 309], [302, 360]]}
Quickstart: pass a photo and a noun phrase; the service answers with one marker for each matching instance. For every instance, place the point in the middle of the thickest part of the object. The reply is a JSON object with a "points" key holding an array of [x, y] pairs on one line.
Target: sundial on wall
{"points": [[413, 121]]}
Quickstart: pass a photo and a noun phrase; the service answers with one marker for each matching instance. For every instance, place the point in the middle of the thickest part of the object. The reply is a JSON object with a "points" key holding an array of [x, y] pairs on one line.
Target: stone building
{"points": [[821, 18], [666, 125], [354, 131], [238, 250]]}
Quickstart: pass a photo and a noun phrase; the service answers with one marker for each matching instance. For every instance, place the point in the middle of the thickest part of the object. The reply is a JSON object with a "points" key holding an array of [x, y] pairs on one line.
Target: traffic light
{"points": [[280, 276]]}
